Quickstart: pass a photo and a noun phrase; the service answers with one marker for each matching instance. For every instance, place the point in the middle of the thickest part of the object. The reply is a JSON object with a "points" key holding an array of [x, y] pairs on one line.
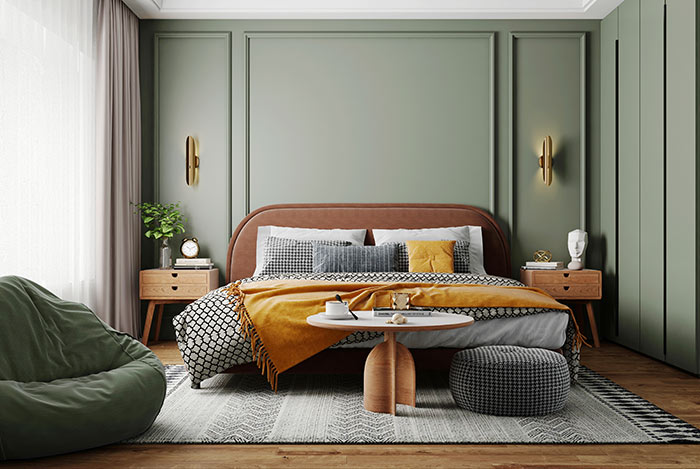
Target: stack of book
{"points": [[413, 312], [532, 265], [195, 263]]}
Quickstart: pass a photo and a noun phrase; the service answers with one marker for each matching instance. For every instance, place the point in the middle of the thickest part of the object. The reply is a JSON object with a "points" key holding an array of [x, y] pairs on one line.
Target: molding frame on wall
{"points": [[490, 35], [511, 122], [156, 118]]}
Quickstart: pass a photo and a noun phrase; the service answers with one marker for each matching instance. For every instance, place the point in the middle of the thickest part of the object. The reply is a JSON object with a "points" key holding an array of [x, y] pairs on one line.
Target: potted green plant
{"points": [[162, 223]]}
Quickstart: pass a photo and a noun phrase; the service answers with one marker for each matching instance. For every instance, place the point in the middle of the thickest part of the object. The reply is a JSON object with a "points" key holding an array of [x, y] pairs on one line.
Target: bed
{"points": [[209, 334]]}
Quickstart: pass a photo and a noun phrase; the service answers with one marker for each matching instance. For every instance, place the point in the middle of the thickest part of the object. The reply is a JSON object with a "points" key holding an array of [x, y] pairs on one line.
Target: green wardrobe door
{"points": [[651, 179], [608, 175], [681, 185], [628, 177]]}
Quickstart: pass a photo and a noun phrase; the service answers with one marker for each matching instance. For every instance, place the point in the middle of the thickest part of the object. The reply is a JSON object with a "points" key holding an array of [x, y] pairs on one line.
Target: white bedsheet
{"points": [[546, 330]]}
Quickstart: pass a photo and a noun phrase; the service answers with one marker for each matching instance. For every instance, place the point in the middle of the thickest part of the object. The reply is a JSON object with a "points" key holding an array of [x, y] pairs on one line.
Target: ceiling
{"points": [[372, 9]]}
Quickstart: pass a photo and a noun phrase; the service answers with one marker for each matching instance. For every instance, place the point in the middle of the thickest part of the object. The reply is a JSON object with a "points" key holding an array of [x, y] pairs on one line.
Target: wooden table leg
{"points": [[594, 327], [159, 319], [390, 376], [149, 319], [405, 376]]}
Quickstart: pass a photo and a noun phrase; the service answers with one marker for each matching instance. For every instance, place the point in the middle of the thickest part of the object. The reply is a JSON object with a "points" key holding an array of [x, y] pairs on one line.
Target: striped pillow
{"points": [[354, 258]]}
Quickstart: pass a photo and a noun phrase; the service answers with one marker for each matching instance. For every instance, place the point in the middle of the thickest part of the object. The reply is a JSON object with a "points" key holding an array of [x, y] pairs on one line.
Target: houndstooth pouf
{"points": [[509, 380]]}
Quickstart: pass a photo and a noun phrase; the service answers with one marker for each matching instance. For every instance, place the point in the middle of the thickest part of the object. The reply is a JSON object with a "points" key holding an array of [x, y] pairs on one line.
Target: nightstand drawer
{"points": [[575, 291], [567, 277], [172, 291], [169, 277]]}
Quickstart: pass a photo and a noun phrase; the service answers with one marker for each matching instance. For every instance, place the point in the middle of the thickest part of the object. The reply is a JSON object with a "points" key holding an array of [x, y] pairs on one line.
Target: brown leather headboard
{"points": [[240, 262]]}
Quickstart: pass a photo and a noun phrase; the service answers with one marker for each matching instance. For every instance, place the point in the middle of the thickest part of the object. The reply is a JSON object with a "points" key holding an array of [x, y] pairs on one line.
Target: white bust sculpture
{"points": [[577, 246]]}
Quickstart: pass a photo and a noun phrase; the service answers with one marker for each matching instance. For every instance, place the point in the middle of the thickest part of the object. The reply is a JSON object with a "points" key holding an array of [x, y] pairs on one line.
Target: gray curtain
{"points": [[118, 172]]}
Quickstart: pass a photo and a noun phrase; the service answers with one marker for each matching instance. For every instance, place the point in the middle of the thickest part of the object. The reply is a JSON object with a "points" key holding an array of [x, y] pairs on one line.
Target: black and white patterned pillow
{"points": [[354, 258], [461, 257], [288, 256]]}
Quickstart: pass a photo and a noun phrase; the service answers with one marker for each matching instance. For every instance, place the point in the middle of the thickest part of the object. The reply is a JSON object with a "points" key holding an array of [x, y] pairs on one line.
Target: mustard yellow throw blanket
{"points": [[273, 313]]}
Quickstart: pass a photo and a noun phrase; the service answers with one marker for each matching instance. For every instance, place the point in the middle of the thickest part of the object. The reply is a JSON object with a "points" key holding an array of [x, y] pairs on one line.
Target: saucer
{"points": [[336, 316]]}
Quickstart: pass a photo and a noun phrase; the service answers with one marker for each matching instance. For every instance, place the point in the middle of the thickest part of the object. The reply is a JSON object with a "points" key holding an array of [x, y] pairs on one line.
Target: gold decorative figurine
{"points": [[542, 256]]}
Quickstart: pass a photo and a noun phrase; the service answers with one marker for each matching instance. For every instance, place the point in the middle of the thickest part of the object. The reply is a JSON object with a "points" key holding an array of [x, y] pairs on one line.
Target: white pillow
{"points": [[354, 237], [476, 251], [456, 233]]}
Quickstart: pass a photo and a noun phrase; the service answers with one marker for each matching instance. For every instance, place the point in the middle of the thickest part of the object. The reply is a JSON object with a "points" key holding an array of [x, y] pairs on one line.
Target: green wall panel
{"points": [[681, 186], [548, 98], [628, 176], [651, 178], [370, 117], [608, 173], [192, 77]]}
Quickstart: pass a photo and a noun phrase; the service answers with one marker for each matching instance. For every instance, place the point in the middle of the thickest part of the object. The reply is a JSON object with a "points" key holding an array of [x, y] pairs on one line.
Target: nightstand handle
{"points": [[174, 287], [174, 274], [566, 288], [566, 275]]}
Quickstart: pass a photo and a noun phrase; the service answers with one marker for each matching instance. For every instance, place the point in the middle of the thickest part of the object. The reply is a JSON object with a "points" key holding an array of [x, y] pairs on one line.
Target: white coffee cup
{"points": [[336, 308]]}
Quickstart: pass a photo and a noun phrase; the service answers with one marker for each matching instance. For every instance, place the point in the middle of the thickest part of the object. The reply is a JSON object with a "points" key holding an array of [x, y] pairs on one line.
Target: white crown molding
{"points": [[372, 9]]}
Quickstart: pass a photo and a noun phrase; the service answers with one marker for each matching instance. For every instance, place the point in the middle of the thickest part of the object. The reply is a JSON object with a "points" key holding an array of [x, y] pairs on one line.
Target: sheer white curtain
{"points": [[47, 147]]}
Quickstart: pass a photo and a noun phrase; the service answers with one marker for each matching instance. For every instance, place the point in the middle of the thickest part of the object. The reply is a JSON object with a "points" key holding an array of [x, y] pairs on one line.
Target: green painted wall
{"points": [[542, 215], [423, 111], [189, 102], [359, 117]]}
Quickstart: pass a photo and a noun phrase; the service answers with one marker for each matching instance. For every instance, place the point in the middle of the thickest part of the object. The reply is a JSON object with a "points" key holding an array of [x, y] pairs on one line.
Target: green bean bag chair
{"points": [[67, 380]]}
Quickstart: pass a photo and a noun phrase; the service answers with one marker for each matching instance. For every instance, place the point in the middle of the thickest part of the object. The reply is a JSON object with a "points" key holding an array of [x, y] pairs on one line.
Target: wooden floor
{"points": [[671, 389]]}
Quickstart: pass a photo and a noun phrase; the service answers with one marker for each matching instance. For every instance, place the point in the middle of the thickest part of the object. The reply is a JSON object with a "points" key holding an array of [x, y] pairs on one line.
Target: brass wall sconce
{"points": [[545, 160], [191, 160]]}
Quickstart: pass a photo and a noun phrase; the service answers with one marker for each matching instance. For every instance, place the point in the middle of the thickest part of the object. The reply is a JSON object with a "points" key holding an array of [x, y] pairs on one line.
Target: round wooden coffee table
{"points": [[390, 374]]}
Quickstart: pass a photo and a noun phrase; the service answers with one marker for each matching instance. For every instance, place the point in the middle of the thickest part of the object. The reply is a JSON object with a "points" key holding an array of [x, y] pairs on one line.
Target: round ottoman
{"points": [[509, 380]]}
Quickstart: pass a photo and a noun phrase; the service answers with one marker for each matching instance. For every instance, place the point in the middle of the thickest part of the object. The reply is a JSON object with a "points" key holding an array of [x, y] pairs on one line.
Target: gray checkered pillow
{"points": [[461, 256], [291, 256]]}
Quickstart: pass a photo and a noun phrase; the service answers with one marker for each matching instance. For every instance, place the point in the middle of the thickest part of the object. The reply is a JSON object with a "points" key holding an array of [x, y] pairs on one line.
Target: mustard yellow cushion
{"points": [[431, 256]]}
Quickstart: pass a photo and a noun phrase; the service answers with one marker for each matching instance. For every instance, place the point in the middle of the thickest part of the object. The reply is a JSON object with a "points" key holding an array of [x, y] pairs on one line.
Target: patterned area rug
{"points": [[328, 409]]}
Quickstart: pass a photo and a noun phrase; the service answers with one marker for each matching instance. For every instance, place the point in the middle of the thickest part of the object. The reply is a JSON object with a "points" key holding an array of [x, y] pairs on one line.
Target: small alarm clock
{"points": [[189, 247]]}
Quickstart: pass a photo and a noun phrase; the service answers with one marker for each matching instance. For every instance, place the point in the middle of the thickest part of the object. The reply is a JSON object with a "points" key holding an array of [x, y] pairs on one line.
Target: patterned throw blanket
{"points": [[211, 338]]}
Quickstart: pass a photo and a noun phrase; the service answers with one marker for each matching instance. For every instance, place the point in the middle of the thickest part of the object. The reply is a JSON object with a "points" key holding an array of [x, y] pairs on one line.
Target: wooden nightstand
{"points": [[168, 286], [569, 286]]}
